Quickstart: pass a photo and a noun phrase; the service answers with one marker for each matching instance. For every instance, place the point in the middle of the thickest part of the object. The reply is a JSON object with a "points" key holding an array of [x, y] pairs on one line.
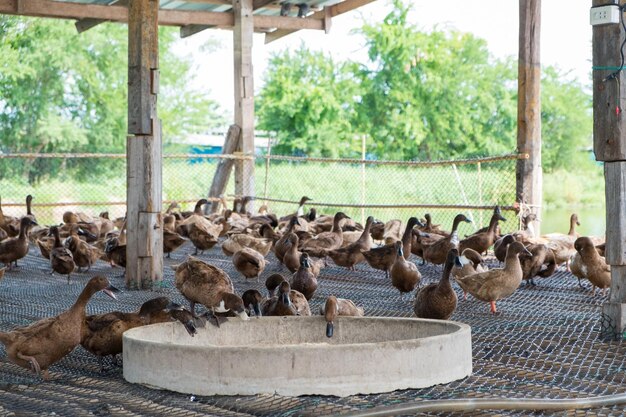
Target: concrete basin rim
{"points": [[462, 330]]}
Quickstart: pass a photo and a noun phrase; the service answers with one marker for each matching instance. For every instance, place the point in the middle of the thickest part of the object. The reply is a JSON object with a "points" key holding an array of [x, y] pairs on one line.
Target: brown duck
{"points": [[404, 274], [482, 241], [83, 253], [15, 248], [437, 253], [540, 263], [325, 241], [253, 300], [563, 245], [103, 333], [334, 307], [272, 282], [61, 259], [495, 284], [46, 341], [304, 280], [200, 282], [249, 263], [350, 255], [287, 302], [171, 241], [500, 245], [239, 241], [591, 265], [283, 244], [292, 258], [384, 256], [429, 227], [438, 300]]}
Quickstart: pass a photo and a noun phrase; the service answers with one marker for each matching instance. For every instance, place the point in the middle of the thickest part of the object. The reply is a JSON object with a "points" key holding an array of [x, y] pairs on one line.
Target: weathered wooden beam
{"points": [[261, 3], [609, 124], [324, 15], [615, 192], [225, 166], [609, 143], [144, 247], [244, 95], [63, 10], [83, 25], [190, 30], [528, 172]]}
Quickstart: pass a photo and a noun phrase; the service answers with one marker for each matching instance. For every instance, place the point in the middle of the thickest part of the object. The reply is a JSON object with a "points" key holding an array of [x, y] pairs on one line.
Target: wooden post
{"points": [[609, 145], [144, 247], [244, 95], [529, 173], [225, 166]]}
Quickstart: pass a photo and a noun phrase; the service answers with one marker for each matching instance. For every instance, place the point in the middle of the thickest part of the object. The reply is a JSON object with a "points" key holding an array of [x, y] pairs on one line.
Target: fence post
{"points": [[267, 168], [480, 191], [363, 137], [222, 172]]}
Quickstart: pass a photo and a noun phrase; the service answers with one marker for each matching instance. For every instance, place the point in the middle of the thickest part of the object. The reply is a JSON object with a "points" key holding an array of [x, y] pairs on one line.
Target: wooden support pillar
{"points": [[609, 145], [244, 95], [529, 172], [144, 247]]}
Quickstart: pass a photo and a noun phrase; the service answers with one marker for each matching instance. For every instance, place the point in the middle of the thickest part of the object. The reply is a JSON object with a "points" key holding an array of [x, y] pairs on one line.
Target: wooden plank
{"points": [[609, 124], [335, 10], [225, 166], [190, 30], [615, 192], [144, 248], [257, 4], [328, 20], [48, 8], [528, 172], [244, 95], [289, 23], [83, 25]]}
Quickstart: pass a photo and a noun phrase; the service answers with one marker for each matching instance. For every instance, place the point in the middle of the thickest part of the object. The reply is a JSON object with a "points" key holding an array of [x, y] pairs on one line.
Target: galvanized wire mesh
{"points": [[546, 344], [384, 189]]}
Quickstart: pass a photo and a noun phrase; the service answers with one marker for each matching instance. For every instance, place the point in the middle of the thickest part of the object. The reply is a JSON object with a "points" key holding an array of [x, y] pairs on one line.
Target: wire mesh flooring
{"points": [[546, 344]]}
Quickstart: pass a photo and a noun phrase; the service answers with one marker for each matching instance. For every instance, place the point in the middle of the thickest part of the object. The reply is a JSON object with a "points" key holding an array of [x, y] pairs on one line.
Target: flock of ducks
{"points": [[303, 243]]}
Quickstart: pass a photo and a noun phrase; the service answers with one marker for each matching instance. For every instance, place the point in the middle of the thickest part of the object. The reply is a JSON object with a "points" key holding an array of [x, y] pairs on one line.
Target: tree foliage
{"points": [[306, 101], [421, 95], [63, 91]]}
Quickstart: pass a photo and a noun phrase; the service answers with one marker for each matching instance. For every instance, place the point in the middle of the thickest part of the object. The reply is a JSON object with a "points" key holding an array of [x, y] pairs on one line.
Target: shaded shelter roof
{"points": [[191, 15]]}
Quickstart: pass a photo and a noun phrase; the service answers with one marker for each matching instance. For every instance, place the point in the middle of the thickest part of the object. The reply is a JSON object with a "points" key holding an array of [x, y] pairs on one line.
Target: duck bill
{"points": [[111, 291], [285, 299], [174, 306], [191, 328], [257, 309], [502, 219], [330, 328]]}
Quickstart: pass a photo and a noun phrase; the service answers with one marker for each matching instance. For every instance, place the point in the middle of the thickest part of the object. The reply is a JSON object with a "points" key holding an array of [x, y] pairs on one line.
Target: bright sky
{"points": [[565, 38]]}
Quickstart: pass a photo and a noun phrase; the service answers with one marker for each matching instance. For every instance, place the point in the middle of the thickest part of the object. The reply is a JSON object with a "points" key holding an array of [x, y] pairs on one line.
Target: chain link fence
{"points": [[94, 183]]}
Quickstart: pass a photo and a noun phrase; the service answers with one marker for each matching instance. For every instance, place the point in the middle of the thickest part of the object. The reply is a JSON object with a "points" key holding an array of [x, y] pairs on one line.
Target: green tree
{"points": [[63, 91], [566, 122], [432, 95], [307, 101]]}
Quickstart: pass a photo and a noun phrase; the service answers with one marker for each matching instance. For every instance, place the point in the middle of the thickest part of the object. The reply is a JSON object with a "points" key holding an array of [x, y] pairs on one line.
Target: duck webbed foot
{"points": [[494, 311], [34, 365]]}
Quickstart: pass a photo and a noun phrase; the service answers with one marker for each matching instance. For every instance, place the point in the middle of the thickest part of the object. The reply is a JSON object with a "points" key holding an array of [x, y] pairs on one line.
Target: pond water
{"points": [[592, 220]]}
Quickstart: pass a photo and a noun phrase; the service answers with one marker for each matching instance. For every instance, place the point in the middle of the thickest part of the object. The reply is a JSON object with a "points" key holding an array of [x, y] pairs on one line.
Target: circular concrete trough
{"points": [[292, 356]]}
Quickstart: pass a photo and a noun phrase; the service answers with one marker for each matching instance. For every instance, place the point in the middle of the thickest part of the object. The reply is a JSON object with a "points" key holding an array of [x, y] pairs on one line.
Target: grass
{"points": [[325, 183]]}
